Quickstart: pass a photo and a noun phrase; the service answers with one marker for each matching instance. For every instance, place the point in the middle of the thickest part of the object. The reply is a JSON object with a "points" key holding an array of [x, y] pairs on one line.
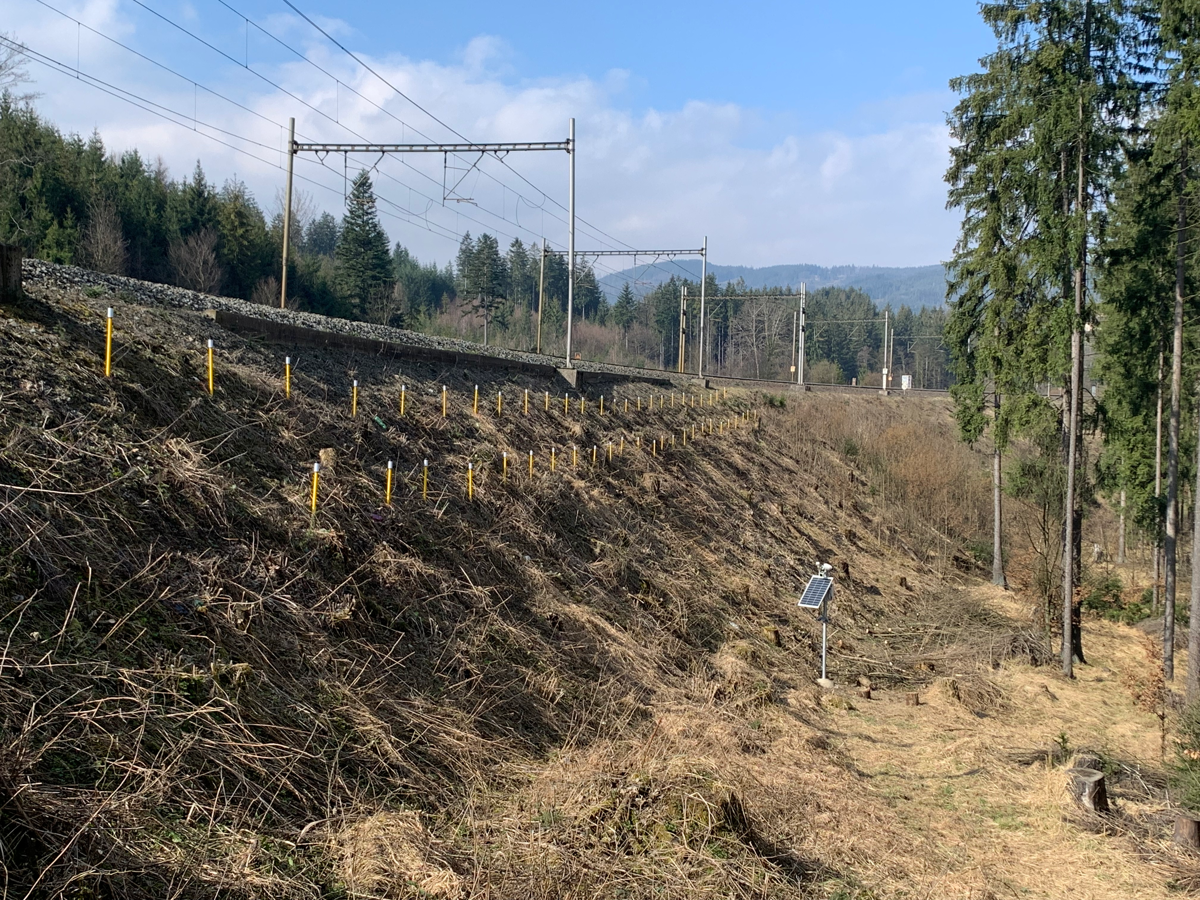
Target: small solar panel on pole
{"points": [[817, 595]]}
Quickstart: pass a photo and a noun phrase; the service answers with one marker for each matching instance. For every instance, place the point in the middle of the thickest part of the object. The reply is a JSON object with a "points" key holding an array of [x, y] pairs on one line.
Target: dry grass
{"points": [[591, 683]]}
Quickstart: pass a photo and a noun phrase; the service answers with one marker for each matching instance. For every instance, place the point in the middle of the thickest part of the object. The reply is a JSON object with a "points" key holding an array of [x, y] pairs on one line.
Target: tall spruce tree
{"points": [[364, 263], [1060, 87]]}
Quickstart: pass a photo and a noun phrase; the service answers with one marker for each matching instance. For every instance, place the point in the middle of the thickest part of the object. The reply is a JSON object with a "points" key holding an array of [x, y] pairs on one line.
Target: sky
{"points": [[801, 132]]}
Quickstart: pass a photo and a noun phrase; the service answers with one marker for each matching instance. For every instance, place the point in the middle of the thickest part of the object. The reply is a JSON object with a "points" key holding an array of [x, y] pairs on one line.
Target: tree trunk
{"points": [[1170, 545], [997, 543], [1071, 641], [10, 273], [1187, 831], [1156, 596], [1193, 669], [1121, 532], [1087, 787]]}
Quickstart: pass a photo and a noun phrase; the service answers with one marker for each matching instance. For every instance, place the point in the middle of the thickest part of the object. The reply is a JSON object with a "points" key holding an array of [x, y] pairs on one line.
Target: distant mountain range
{"points": [[912, 286]]}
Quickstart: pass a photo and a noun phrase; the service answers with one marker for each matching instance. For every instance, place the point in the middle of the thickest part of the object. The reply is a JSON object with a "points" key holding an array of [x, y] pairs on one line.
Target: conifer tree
{"points": [[364, 264], [623, 311], [1057, 87]]}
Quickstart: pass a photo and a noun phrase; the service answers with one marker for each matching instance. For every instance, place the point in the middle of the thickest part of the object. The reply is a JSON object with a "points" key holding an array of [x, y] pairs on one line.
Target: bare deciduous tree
{"points": [[104, 246], [12, 67], [266, 292], [194, 261]]}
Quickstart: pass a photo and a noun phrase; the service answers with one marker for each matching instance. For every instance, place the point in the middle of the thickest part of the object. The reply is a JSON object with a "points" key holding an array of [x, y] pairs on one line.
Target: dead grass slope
{"points": [[589, 683]]}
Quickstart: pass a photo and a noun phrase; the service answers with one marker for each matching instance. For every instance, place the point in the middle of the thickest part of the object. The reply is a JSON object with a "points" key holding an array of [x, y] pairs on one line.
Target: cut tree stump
{"points": [[1187, 831], [912, 699], [10, 273], [1087, 787]]}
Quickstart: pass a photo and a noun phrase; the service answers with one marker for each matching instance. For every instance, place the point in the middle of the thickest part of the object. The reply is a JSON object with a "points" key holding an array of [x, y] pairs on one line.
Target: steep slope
{"points": [[591, 682]]}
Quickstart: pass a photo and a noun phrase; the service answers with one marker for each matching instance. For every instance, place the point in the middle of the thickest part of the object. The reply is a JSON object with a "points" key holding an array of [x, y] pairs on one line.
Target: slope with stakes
{"points": [[591, 681]]}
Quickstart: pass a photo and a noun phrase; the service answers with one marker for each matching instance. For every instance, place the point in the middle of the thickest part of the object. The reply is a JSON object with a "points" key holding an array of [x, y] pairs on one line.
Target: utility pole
{"points": [[287, 214], [883, 352], [571, 240], [541, 295], [795, 337], [703, 278], [682, 323], [800, 355]]}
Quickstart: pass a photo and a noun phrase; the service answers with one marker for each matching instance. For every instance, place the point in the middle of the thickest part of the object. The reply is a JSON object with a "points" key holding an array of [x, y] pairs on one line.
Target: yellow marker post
{"points": [[672, 440], [683, 437], [593, 455], [354, 400], [499, 403], [601, 404], [504, 467], [287, 376], [403, 397], [530, 463], [470, 481], [425, 480], [316, 475], [610, 451], [639, 442], [622, 450], [526, 401], [552, 458], [475, 404], [639, 404], [654, 448], [626, 404], [211, 386], [566, 404], [108, 333], [574, 456], [672, 399], [443, 401], [582, 405], [547, 405], [387, 488]]}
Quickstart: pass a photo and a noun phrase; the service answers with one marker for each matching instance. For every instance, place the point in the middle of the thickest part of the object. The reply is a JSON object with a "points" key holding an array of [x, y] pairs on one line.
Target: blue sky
{"points": [[784, 132]]}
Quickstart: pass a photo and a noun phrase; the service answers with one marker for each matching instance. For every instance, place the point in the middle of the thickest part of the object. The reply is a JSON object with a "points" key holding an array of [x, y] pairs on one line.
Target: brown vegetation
{"points": [[591, 683]]}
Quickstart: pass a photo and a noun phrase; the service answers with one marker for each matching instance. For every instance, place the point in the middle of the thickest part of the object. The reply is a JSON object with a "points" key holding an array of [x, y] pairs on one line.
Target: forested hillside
{"points": [[68, 200], [895, 286]]}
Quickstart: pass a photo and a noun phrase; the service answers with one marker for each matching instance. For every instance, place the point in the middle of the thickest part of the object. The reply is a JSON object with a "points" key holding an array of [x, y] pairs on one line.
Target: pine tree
{"points": [[364, 265], [623, 311]]}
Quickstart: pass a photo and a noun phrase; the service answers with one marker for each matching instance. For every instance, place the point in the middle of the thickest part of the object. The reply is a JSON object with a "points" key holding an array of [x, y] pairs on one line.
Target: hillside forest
{"points": [[69, 200]]}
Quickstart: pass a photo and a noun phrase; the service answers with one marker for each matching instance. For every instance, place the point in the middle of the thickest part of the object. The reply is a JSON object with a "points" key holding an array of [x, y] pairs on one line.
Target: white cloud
{"points": [[763, 193]]}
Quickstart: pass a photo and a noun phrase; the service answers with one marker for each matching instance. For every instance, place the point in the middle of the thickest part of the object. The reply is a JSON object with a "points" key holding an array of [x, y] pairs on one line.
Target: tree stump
{"points": [[10, 273], [912, 699], [1087, 787], [1187, 831]]}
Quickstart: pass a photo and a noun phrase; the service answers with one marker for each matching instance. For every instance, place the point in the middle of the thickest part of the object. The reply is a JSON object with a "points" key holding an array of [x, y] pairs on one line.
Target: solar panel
{"points": [[819, 589]]}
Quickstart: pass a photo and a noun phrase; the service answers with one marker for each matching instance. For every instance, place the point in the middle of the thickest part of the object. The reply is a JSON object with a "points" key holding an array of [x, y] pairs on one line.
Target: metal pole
{"points": [[795, 337], [571, 244], [541, 295], [703, 278], [883, 354], [682, 325], [287, 213], [891, 351], [803, 300], [824, 643]]}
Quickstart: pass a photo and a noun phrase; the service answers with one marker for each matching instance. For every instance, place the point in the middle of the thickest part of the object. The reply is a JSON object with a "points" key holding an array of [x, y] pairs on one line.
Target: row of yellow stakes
{"points": [[657, 444], [287, 387]]}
